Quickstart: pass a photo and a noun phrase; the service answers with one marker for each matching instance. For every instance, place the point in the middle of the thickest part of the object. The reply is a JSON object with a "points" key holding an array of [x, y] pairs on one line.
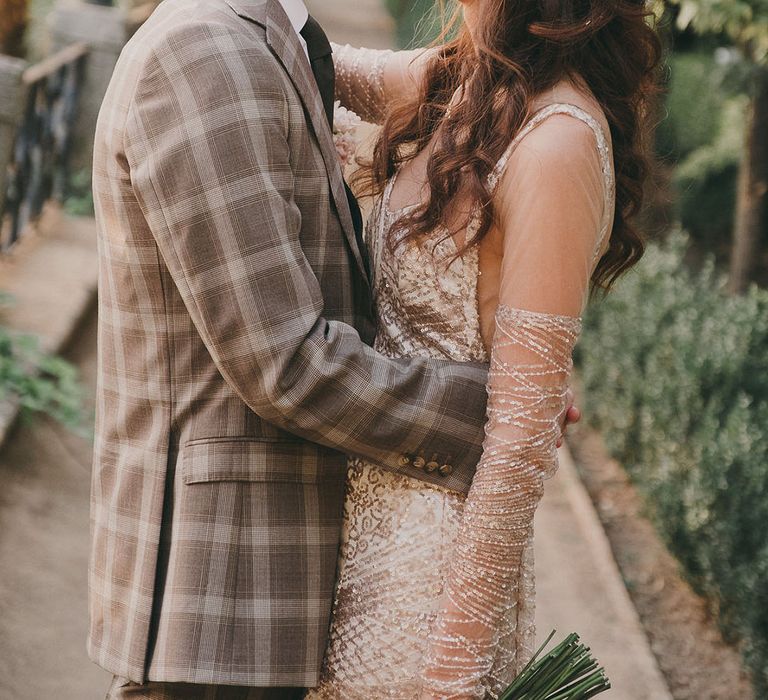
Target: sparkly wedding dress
{"points": [[436, 590]]}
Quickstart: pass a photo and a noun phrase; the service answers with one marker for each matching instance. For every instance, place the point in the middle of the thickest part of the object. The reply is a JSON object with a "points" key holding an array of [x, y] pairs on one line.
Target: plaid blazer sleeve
{"points": [[207, 148]]}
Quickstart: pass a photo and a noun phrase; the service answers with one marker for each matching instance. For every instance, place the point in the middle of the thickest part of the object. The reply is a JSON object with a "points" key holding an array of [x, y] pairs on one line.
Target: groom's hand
{"points": [[570, 415]]}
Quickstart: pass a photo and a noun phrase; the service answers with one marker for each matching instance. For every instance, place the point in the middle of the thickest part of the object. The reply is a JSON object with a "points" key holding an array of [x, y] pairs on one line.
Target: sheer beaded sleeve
{"points": [[367, 79], [529, 368], [552, 207]]}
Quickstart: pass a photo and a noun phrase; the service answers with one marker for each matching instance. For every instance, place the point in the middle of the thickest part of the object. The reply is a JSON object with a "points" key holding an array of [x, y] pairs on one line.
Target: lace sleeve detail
{"points": [[530, 365], [360, 80]]}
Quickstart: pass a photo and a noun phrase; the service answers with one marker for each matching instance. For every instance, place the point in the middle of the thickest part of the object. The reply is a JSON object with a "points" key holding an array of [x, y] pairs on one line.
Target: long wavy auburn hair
{"points": [[518, 50]]}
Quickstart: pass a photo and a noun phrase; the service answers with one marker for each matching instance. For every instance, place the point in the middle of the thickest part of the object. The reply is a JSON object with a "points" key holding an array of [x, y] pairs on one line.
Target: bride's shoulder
{"points": [[567, 102], [557, 136], [566, 125], [558, 145], [563, 149]]}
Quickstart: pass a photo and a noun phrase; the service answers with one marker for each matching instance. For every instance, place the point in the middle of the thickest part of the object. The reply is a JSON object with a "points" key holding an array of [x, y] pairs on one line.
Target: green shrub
{"points": [[675, 376], [38, 382]]}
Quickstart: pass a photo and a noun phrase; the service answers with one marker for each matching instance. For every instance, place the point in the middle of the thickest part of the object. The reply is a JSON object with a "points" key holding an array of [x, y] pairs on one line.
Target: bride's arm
{"points": [[368, 80], [550, 202]]}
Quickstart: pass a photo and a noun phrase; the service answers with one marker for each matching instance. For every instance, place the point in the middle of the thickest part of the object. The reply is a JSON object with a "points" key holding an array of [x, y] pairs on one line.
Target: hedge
{"points": [[36, 381], [676, 379]]}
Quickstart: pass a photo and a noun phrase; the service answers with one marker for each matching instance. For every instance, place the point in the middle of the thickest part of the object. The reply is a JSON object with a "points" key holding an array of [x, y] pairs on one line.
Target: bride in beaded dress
{"points": [[497, 208]]}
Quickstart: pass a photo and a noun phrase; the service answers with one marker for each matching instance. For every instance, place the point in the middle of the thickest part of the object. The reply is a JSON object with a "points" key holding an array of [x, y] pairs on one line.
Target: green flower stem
{"points": [[567, 672]]}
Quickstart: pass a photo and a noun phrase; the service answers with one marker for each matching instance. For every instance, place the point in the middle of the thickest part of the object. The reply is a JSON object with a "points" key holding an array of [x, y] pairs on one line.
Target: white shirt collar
{"points": [[298, 15]]}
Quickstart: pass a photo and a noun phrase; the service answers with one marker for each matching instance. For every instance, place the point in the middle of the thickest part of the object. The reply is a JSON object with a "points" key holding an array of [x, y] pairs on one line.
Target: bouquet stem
{"points": [[567, 672]]}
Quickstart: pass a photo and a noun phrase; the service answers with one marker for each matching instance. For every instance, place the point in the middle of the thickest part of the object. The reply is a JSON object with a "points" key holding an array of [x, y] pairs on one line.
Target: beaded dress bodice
{"points": [[426, 297]]}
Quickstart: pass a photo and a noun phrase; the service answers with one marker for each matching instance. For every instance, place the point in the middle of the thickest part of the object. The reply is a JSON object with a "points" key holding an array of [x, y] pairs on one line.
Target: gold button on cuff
{"points": [[419, 462], [446, 470], [431, 467], [403, 461]]}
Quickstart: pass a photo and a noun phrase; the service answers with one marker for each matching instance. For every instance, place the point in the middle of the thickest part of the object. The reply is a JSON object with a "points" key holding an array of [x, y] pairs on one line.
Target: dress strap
{"points": [[603, 148]]}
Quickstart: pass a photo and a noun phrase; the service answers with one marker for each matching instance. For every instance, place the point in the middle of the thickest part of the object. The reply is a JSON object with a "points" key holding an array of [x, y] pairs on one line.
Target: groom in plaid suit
{"points": [[235, 369]]}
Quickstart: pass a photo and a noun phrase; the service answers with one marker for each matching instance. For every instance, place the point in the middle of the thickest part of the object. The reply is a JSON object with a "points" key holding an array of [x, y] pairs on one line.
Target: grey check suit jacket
{"points": [[235, 372]]}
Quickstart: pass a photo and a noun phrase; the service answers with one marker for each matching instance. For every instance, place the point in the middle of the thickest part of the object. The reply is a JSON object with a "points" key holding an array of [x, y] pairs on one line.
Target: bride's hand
{"points": [[571, 414]]}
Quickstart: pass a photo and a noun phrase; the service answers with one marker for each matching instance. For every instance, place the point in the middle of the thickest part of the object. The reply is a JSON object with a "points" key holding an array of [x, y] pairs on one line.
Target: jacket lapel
{"points": [[285, 44]]}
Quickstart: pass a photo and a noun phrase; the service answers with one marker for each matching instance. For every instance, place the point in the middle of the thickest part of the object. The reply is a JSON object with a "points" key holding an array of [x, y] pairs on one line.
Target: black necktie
{"points": [[321, 60]]}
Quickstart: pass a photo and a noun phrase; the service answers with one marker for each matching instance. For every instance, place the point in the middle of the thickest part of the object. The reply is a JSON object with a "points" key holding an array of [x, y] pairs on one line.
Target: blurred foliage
{"points": [[705, 181], [13, 21], [674, 372], [417, 22], [39, 382], [78, 200], [694, 88], [703, 135], [744, 25], [700, 139], [744, 22]]}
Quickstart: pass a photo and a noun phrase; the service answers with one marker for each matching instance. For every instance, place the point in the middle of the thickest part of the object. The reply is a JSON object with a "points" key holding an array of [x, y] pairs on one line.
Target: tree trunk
{"points": [[752, 197]]}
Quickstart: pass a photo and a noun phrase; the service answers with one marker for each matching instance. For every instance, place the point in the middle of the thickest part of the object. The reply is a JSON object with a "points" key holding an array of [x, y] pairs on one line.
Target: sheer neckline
{"points": [[393, 215], [387, 197]]}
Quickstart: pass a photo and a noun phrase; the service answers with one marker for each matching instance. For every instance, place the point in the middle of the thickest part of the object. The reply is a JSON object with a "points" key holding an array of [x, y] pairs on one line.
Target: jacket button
{"points": [[403, 461], [446, 470], [419, 462]]}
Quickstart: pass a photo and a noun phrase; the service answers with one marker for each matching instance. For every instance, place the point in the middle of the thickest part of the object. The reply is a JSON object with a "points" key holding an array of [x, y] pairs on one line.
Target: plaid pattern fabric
{"points": [[234, 363], [122, 689]]}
